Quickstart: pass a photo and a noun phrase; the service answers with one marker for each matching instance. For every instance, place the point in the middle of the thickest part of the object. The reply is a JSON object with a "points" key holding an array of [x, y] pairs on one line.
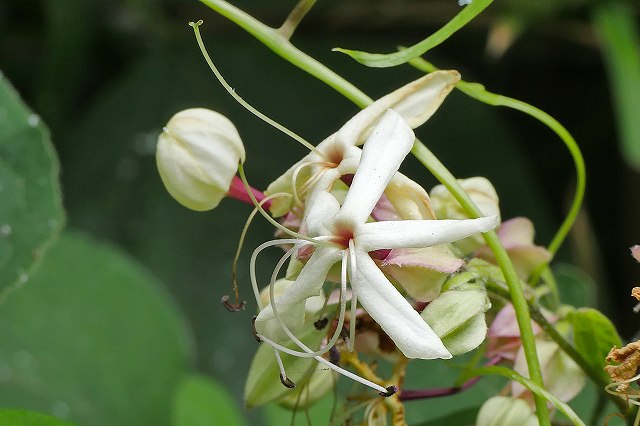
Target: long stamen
{"points": [[245, 104], [297, 192], [332, 366], [382, 390], [285, 328], [234, 268], [252, 263]]}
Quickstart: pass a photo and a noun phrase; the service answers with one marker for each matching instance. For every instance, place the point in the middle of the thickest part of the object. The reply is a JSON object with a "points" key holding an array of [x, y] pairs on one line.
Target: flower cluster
{"points": [[373, 264]]}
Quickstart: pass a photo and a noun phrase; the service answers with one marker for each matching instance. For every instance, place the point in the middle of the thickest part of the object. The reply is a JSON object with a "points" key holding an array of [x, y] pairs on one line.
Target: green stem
{"points": [[593, 373], [426, 157], [295, 17], [283, 48], [477, 91], [381, 60]]}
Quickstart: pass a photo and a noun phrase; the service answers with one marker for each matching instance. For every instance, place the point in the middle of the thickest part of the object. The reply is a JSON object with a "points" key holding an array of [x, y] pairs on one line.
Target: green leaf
{"points": [[31, 213], [620, 37], [533, 387], [379, 60], [28, 418], [594, 336], [200, 401], [93, 339], [576, 287]]}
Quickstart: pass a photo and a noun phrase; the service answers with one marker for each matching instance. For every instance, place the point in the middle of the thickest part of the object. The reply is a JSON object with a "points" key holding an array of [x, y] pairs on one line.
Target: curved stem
{"points": [[431, 162], [477, 91], [590, 371], [282, 47], [290, 53]]}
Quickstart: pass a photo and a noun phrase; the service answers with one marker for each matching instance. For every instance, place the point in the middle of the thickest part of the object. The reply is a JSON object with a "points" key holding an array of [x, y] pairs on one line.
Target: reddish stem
{"points": [[411, 395]]}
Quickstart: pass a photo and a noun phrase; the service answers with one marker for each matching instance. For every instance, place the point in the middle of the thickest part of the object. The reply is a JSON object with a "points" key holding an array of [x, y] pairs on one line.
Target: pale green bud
{"points": [[506, 411], [197, 156], [457, 317], [482, 193]]}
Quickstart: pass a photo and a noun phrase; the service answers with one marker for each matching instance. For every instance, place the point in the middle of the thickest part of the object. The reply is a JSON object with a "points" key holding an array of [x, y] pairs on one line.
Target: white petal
{"points": [[321, 204], [388, 145], [291, 302], [419, 233], [411, 334], [415, 102]]}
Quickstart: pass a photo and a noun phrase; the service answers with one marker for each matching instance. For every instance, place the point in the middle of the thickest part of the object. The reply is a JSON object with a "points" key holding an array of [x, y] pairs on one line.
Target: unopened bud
{"points": [[505, 410], [457, 317], [482, 193], [197, 156]]}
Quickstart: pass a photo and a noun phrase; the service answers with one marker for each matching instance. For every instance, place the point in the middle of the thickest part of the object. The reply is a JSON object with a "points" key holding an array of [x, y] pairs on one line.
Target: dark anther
{"points": [[287, 382], [391, 390], [253, 325], [321, 323], [334, 355], [232, 307]]}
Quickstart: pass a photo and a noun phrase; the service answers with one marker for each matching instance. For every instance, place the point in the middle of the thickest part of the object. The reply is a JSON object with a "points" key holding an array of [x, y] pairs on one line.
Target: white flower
{"points": [[343, 234], [197, 157]]}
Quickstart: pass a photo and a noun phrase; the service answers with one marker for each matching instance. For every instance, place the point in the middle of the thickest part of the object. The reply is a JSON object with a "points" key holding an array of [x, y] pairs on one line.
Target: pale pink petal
{"points": [[562, 377], [516, 232], [635, 252], [422, 271], [384, 210], [416, 102], [525, 258]]}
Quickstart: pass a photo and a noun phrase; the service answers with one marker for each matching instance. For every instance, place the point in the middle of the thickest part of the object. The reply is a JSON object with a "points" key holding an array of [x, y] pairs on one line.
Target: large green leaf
{"points": [[31, 214], [92, 339], [28, 418], [594, 336], [200, 401]]}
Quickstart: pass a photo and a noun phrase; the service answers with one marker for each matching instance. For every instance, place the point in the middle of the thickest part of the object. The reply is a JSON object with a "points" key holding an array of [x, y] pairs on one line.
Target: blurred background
{"points": [[105, 76]]}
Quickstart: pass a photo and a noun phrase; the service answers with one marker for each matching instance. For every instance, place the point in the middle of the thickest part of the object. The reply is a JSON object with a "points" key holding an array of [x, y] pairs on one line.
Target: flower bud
{"points": [[505, 410], [457, 317], [197, 156], [482, 193]]}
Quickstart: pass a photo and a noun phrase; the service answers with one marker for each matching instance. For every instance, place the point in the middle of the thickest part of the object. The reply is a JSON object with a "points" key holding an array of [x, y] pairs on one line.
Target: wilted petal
{"points": [[388, 145], [411, 334], [291, 303], [409, 199], [516, 236], [415, 102], [562, 377], [419, 233]]}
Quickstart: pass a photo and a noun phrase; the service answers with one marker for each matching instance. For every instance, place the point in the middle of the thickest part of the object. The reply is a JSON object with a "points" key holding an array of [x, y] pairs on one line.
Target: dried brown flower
{"points": [[628, 359]]}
